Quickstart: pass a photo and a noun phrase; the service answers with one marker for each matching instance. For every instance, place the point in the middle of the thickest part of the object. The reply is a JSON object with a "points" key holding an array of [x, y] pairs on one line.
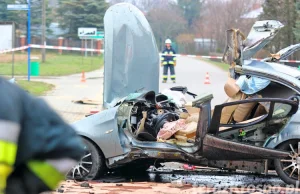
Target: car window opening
{"points": [[254, 114], [164, 122]]}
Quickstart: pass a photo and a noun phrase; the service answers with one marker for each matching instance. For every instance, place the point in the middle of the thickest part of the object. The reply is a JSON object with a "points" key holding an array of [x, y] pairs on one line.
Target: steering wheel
{"points": [[179, 89], [192, 94], [295, 98], [184, 90]]}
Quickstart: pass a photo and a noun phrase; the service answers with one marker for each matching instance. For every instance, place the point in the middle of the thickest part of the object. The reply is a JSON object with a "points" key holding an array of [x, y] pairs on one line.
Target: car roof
{"points": [[273, 67], [290, 74]]}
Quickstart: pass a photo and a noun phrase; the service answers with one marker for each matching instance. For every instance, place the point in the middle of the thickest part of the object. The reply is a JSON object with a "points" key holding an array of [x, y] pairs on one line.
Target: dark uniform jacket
{"points": [[168, 60], [43, 136]]}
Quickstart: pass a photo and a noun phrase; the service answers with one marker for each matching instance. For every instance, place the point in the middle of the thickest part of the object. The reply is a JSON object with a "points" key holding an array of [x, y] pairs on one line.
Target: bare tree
{"points": [[220, 15], [148, 5], [145, 5], [165, 19], [166, 23], [112, 2]]}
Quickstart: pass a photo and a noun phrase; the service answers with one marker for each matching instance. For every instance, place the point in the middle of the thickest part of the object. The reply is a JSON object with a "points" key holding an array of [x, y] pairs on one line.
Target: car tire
{"points": [[92, 164], [287, 169]]}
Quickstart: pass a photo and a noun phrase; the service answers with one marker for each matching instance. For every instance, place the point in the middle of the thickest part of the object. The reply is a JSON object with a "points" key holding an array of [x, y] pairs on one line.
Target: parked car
{"points": [[129, 132]]}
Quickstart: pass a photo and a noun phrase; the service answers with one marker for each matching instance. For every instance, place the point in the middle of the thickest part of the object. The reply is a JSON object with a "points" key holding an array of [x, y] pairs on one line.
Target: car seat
{"points": [[239, 112]]}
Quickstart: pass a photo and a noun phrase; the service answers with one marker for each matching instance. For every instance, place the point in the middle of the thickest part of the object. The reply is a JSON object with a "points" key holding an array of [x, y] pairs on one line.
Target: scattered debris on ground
{"points": [[60, 190], [85, 184], [87, 101]]}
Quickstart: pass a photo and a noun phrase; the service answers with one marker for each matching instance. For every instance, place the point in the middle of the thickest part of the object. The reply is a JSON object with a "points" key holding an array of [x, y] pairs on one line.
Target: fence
{"points": [[59, 61]]}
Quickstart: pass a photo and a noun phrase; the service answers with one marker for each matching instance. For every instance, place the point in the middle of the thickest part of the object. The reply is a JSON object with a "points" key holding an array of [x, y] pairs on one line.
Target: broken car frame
{"points": [[111, 136]]}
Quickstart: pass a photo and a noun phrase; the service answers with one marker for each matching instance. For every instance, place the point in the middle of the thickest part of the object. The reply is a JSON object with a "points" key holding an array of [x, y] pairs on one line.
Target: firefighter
{"points": [[168, 61], [37, 148]]}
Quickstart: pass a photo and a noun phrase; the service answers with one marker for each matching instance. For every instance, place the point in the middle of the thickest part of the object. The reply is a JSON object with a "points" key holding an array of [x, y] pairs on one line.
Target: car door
{"points": [[217, 147], [286, 52]]}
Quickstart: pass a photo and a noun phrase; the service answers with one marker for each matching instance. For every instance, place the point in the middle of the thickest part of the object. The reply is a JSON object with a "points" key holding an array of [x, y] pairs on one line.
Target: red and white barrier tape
{"points": [[97, 50], [65, 48], [216, 57], [192, 56], [14, 49], [50, 47]]}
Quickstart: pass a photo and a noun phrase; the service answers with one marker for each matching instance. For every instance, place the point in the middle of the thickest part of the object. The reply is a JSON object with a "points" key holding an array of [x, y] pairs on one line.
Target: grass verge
{"points": [[55, 65], [221, 65], [34, 87]]}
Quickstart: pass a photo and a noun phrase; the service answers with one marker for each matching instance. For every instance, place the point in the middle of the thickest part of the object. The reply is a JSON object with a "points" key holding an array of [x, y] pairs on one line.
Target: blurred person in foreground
{"points": [[37, 148], [168, 61]]}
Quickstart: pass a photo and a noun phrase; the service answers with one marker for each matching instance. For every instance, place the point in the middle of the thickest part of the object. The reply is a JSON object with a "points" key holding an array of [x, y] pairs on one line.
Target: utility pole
{"points": [[44, 30], [28, 38]]}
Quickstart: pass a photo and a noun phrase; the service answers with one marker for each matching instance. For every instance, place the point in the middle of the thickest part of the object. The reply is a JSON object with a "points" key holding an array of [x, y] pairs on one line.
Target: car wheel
{"points": [[134, 169], [91, 165], [288, 169]]}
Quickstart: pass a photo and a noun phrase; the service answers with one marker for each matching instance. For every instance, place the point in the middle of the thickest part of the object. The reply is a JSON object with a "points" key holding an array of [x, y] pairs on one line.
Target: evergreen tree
{"points": [[74, 14], [20, 17], [11, 16], [297, 26], [285, 12], [190, 9], [36, 17]]}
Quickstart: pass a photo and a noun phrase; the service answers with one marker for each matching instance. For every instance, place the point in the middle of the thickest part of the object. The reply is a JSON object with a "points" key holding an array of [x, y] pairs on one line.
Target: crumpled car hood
{"points": [[131, 54]]}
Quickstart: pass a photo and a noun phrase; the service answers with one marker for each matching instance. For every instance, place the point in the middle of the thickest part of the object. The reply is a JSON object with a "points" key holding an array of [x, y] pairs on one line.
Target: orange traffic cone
{"points": [[83, 77], [207, 81]]}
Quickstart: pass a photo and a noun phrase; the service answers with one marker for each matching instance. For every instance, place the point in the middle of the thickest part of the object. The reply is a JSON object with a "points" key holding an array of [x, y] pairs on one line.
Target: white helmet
{"points": [[168, 41]]}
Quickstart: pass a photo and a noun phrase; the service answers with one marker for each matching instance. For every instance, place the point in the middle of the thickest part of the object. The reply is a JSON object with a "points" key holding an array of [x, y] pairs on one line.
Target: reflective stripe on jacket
{"points": [[51, 172], [168, 60], [9, 135]]}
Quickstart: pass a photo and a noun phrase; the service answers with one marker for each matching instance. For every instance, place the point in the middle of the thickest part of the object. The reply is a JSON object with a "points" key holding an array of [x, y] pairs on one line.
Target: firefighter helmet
{"points": [[168, 41]]}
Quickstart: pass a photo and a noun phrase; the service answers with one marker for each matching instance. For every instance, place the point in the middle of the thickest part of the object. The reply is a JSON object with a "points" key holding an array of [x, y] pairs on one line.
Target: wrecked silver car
{"points": [[142, 127]]}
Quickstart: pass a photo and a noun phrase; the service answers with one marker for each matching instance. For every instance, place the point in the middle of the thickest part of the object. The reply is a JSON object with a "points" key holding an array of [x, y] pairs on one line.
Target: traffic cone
{"points": [[83, 77], [207, 81]]}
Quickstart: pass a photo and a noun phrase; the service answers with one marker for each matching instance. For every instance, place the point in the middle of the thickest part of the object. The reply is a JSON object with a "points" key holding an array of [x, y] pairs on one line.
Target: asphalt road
{"points": [[190, 72], [204, 181], [70, 88]]}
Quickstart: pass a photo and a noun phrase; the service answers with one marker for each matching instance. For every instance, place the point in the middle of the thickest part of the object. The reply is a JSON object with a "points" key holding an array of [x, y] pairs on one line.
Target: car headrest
{"points": [[231, 88]]}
